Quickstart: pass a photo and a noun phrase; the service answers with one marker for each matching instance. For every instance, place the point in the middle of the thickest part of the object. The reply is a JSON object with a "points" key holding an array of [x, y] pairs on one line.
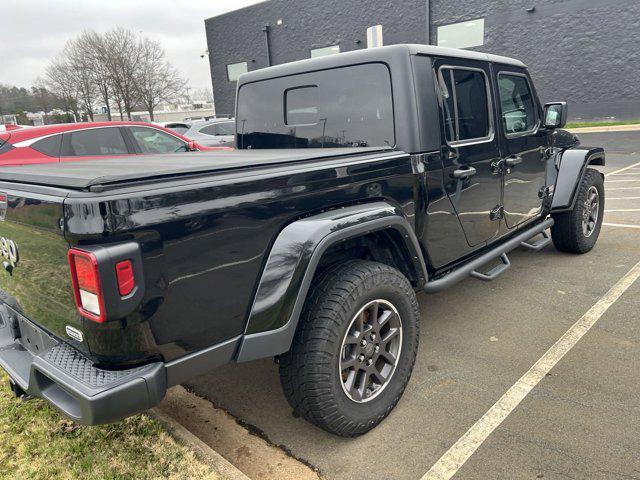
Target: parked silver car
{"points": [[209, 133]]}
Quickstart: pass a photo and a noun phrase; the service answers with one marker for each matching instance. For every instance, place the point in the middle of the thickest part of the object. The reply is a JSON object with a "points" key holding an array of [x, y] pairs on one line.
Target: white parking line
{"points": [[623, 225], [461, 451], [623, 188], [622, 210], [622, 181], [623, 198], [622, 169]]}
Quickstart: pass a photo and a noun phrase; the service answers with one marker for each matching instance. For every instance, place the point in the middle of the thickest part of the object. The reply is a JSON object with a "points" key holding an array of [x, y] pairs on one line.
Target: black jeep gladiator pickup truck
{"points": [[359, 179]]}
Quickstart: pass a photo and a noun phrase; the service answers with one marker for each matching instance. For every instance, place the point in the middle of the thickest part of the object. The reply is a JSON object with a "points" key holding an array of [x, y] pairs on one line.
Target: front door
{"points": [[470, 148], [522, 144]]}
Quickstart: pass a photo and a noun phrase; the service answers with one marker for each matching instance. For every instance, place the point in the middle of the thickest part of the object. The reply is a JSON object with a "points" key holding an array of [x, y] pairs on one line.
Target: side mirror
{"points": [[555, 115], [192, 146]]}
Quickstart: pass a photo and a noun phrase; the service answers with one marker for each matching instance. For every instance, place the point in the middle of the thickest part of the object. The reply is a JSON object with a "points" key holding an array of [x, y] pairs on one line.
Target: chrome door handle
{"points": [[464, 172], [512, 161]]}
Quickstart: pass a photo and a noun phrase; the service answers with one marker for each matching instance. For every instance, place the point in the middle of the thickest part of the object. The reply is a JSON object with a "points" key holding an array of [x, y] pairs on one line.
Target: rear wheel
{"points": [[577, 231], [355, 347]]}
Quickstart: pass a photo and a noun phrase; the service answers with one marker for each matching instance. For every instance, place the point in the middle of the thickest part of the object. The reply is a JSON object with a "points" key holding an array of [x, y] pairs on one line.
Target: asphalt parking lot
{"points": [[478, 340]]}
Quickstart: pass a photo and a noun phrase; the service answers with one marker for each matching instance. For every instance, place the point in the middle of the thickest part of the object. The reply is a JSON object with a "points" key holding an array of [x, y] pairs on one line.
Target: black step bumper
{"points": [[70, 382]]}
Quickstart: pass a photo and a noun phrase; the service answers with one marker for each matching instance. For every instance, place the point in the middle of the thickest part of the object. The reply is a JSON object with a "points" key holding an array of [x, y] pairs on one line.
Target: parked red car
{"points": [[83, 141]]}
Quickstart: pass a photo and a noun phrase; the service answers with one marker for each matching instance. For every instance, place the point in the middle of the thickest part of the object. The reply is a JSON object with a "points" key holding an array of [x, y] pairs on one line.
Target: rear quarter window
{"points": [[342, 107], [5, 147], [49, 146]]}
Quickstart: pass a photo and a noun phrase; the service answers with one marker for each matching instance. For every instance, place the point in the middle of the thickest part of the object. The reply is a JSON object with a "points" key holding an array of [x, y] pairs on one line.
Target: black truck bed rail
{"points": [[100, 175]]}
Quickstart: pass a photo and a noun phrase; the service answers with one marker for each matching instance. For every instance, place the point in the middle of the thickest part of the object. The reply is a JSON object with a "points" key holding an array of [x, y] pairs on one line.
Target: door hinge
{"points": [[497, 212], [497, 166], [544, 192]]}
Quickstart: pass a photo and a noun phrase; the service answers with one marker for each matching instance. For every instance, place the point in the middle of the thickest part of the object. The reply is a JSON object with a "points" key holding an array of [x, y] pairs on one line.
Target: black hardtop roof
{"points": [[380, 54], [85, 174]]}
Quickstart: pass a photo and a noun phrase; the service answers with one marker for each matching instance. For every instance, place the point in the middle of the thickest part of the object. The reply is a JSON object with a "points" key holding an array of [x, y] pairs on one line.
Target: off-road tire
{"points": [[310, 372], [567, 232]]}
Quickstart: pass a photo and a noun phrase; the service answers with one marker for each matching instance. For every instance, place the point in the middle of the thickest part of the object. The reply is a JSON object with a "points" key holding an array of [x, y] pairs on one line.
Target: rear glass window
{"points": [[49, 146], [343, 107]]}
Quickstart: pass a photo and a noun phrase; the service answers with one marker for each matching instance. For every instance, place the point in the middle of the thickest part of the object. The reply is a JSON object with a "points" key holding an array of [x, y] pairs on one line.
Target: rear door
{"points": [[93, 143], [522, 143], [470, 148]]}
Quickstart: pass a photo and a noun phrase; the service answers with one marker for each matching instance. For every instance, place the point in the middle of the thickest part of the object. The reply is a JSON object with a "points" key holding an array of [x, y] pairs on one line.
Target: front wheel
{"points": [[577, 231], [355, 347]]}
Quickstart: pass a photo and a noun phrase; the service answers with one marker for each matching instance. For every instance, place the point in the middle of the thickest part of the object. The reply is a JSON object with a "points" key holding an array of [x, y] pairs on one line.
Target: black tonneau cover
{"points": [[85, 174]]}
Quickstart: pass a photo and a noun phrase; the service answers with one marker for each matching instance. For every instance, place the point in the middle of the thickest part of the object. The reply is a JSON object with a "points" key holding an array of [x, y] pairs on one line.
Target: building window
{"points": [[234, 70], [324, 51], [462, 35]]}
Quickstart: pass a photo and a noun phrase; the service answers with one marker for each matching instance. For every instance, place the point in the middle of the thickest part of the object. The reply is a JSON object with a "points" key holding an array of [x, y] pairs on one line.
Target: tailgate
{"points": [[34, 268]]}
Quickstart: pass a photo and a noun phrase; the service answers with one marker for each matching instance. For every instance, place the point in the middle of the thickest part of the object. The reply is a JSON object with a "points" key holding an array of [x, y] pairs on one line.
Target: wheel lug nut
{"points": [[361, 358], [369, 362], [363, 342], [373, 336], [377, 349]]}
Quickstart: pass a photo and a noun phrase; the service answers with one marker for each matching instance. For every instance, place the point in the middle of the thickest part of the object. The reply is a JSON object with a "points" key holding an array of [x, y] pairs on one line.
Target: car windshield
{"points": [[181, 128]]}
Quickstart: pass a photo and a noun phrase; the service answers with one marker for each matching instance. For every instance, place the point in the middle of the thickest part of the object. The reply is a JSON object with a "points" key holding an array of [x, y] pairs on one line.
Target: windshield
{"points": [[341, 107]]}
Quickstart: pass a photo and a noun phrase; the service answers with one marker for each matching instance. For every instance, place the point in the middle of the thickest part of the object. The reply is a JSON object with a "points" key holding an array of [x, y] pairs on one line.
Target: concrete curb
{"points": [[614, 128], [203, 451]]}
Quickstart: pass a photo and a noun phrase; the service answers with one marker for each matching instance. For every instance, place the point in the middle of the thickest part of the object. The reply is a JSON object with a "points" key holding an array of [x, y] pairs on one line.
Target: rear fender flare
{"points": [[292, 263], [573, 163]]}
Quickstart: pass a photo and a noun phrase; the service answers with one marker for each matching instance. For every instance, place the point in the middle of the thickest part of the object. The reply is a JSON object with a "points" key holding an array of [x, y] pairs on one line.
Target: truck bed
{"points": [[101, 174]]}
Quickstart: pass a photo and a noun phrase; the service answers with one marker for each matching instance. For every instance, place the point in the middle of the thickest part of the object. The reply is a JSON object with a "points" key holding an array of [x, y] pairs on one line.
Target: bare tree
{"points": [[91, 45], [81, 71], [43, 97], [61, 81], [156, 80], [203, 94], [120, 56]]}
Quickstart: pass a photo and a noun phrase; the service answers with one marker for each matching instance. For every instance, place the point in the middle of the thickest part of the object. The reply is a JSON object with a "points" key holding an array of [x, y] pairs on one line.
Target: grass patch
{"points": [[610, 123], [36, 442]]}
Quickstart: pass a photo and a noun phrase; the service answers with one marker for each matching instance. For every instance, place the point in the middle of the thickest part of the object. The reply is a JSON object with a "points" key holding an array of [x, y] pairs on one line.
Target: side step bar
{"points": [[500, 251]]}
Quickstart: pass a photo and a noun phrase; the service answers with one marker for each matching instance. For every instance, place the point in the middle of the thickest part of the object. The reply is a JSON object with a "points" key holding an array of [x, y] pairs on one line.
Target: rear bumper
{"points": [[70, 382]]}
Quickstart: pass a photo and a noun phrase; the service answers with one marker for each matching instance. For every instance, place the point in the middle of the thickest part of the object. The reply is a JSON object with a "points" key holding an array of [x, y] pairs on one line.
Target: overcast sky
{"points": [[34, 31]]}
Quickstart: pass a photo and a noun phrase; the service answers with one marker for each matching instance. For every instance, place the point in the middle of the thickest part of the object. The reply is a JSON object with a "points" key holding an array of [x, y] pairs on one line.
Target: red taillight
{"points": [[126, 280], [86, 285]]}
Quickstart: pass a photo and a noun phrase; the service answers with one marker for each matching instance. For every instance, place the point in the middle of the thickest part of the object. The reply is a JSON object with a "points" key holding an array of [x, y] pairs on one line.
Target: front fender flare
{"points": [[573, 164], [291, 265]]}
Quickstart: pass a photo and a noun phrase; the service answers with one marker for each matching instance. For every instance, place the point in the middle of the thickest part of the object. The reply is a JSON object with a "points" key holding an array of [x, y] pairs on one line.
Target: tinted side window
{"points": [[97, 141], [226, 128], [208, 130], [466, 104], [151, 140], [516, 103], [49, 146], [342, 107]]}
